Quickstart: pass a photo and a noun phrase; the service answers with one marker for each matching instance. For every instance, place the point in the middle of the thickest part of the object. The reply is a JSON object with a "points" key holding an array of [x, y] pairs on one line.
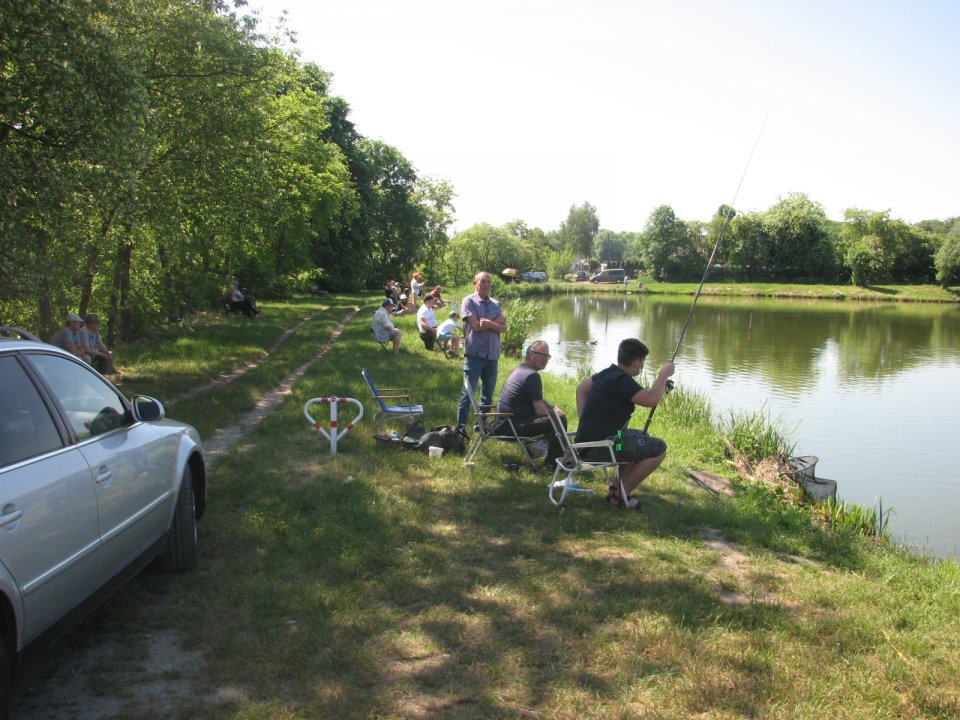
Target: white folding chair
{"points": [[486, 422], [572, 464]]}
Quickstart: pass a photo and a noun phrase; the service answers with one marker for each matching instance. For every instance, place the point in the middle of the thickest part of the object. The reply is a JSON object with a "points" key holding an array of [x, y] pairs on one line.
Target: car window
{"points": [[93, 407], [26, 428]]}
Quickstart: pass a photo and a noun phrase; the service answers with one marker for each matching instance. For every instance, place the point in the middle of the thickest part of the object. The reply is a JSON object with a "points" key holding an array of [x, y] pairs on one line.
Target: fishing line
{"points": [[713, 254]]}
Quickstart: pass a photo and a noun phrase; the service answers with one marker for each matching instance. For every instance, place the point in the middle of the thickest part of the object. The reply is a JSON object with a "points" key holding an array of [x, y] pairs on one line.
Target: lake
{"points": [[872, 389]]}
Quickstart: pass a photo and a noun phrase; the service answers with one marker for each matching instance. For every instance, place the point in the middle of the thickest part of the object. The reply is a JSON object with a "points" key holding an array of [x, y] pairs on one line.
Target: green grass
{"points": [[381, 583]]}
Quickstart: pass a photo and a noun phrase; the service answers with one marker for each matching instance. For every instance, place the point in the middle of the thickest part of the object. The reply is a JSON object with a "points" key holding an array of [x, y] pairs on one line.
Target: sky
{"points": [[528, 107]]}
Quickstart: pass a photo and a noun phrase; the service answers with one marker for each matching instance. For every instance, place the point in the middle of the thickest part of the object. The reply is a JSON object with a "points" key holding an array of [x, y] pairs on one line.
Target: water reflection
{"points": [[873, 388]]}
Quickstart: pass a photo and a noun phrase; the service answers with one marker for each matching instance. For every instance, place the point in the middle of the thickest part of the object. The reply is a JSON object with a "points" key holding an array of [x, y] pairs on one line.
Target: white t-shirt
{"points": [[447, 327], [415, 287], [426, 314]]}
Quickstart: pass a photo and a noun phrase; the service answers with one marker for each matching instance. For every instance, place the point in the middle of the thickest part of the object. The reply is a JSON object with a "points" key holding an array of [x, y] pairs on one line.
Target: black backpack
{"points": [[442, 436]]}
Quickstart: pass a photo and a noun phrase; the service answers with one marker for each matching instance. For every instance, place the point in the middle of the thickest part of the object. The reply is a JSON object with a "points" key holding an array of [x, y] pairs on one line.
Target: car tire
{"points": [[180, 552], [6, 680]]}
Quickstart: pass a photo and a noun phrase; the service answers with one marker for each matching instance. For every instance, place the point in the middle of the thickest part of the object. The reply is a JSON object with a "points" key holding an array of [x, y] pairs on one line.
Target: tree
{"points": [[579, 229], [670, 251], [799, 241], [948, 261]]}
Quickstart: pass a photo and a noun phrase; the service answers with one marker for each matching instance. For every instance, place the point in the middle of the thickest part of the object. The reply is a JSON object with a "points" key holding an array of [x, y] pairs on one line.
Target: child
{"points": [[450, 331]]}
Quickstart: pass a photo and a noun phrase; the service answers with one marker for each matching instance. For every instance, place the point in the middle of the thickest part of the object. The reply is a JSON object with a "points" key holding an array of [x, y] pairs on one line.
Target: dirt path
{"points": [[146, 675]]}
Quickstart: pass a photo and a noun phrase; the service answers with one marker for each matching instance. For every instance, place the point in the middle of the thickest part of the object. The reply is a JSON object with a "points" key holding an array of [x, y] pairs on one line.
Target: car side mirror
{"points": [[147, 409]]}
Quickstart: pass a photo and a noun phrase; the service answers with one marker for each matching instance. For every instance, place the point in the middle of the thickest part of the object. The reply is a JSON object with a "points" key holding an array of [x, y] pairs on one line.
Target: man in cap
{"points": [[68, 337], [100, 357], [416, 288], [383, 329]]}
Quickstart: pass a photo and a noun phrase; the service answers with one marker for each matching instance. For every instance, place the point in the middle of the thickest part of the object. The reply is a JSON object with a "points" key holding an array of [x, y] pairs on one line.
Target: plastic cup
{"points": [[436, 451]]}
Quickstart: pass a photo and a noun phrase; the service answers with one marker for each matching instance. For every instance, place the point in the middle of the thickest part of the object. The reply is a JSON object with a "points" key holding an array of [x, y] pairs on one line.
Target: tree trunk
{"points": [[45, 321], [93, 260], [121, 314]]}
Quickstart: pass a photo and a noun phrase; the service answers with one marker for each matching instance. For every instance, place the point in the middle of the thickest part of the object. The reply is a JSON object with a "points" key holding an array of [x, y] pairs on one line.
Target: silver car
{"points": [[93, 487]]}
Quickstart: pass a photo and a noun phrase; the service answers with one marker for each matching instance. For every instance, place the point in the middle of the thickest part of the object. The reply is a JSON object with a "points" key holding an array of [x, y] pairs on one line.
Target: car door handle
{"points": [[11, 514], [104, 474]]}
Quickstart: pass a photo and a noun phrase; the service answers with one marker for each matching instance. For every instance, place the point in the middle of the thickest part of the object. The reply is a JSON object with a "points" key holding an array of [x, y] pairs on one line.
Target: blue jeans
{"points": [[482, 369]]}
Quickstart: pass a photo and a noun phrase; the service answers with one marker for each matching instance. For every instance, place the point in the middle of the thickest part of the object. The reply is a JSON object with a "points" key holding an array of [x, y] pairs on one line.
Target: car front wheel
{"points": [[180, 552]]}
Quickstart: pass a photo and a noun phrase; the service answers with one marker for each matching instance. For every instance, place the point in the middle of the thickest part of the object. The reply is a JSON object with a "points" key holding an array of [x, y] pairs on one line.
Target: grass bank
{"points": [[380, 583], [887, 293]]}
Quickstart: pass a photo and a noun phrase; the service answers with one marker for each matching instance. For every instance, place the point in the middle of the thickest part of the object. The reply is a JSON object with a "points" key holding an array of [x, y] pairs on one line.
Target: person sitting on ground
{"points": [[449, 331], [383, 328], [436, 293], [427, 322], [68, 337], [522, 395], [240, 302], [605, 403], [100, 356]]}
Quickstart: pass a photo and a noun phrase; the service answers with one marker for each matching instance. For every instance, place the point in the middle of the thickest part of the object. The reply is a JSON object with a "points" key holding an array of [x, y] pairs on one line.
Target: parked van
{"points": [[611, 275]]}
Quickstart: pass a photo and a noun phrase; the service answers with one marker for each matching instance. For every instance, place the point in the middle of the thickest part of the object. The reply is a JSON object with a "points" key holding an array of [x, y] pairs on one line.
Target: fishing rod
{"points": [[713, 254]]}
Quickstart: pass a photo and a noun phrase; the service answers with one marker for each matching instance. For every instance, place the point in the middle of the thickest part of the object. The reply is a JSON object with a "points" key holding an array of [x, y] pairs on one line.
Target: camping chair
{"points": [[443, 346], [486, 422], [383, 344], [572, 464], [390, 411]]}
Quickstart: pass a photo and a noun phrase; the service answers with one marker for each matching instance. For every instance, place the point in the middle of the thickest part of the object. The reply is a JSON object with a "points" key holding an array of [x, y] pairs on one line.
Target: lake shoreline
{"points": [[879, 293]]}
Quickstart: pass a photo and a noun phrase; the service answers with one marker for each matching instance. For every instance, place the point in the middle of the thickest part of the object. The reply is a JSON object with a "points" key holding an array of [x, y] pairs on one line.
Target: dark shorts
{"points": [[635, 445]]}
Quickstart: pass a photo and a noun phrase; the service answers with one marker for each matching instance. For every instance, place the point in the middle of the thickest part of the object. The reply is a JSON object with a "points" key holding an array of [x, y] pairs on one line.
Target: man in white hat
{"points": [[68, 337]]}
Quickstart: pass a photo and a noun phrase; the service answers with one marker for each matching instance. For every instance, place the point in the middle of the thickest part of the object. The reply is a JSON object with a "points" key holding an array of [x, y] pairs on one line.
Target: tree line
{"points": [[153, 150], [792, 241]]}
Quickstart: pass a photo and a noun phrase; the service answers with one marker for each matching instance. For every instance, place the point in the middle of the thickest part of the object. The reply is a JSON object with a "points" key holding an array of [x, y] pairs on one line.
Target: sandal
{"points": [[613, 497]]}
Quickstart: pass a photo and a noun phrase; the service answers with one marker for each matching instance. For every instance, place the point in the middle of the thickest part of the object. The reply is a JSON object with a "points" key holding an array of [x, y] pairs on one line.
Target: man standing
{"points": [[427, 322], [68, 337], [605, 403], [100, 357], [522, 395], [383, 328], [483, 323]]}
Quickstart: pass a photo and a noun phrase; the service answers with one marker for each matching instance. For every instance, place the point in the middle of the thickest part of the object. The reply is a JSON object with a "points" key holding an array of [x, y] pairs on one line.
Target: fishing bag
{"points": [[442, 436]]}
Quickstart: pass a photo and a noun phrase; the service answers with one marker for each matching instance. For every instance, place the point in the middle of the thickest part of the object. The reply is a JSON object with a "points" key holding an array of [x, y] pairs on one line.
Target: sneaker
{"points": [[537, 448]]}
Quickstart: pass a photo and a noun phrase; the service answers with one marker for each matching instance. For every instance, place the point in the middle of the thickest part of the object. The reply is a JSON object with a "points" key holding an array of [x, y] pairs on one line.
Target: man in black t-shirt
{"points": [[522, 395], [605, 403]]}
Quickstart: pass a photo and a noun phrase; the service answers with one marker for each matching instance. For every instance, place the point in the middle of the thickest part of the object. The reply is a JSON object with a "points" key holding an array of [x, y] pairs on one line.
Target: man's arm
{"points": [[498, 325], [583, 389], [653, 395]]}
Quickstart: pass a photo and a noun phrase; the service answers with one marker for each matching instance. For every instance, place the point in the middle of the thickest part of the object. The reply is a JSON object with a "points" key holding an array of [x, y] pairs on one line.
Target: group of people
{"points": [[82, 338], [605, 402], [431, 331]]}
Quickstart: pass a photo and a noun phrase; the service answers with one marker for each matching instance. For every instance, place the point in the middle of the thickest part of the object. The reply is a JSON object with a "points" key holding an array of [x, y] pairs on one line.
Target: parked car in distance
{"points": [[535, 276], [581, 276], [93, 487], [611, 275]]}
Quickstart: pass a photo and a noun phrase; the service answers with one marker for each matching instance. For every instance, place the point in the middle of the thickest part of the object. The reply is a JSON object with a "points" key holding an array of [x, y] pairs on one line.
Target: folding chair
{"points": [[486, 422], [390, 411], [572, 464], [383, 344]]}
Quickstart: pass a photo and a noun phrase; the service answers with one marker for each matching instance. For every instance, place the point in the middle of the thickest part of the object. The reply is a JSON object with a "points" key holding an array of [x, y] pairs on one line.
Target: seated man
{"points": [[522, 395], [427, 322], [383, 328], [68, 337], [240, 302], [100, 357], [605, 403], [449, 332]]}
